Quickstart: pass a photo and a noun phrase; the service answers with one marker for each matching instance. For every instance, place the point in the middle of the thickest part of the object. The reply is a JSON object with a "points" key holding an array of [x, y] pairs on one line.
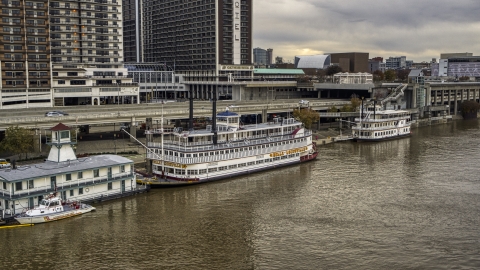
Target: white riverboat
{"points": [[230, 149], [53, 208], [377, 124]]}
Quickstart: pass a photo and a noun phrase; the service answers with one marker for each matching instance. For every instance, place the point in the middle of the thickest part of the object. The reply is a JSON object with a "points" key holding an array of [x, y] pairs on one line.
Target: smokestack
{"points": [[214, 113], [190, 119]]}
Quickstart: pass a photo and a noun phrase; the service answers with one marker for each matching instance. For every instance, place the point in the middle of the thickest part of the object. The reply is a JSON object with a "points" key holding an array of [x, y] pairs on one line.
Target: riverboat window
{"points": [[68, 176], [200, 154], [232, 166], [71, 193], [242, 165], [170, 170], [191, 172], [80, 175], [251, 163], [202, 171], [30, 184], [189, 155], [110, 186], [195, 155], [259, 161], [122, 168], [284, 157], [216, 153], [222, 168], [182, 155], [236, 150], [175, 154], [212, 170], [18, 186], [80, 191], [96, 173], [277, 158]]}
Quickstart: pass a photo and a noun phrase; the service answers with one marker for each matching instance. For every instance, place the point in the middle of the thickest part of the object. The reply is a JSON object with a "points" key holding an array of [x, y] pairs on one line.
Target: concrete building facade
{"points": [[351, 62], [62, 53]]}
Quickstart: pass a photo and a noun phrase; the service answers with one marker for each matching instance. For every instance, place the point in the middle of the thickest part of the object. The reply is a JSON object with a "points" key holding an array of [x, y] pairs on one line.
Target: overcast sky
{"points": [[418, 29]]}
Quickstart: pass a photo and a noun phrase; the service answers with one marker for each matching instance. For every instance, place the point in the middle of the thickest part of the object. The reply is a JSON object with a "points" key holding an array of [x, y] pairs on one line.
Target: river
{"points": [[412, 203]]}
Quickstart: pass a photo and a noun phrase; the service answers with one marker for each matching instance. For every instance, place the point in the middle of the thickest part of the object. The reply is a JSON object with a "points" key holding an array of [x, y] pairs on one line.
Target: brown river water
{"points": [[412, 203]]}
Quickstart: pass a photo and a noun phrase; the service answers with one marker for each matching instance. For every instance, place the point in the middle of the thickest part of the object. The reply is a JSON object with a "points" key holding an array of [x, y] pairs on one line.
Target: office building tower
{"points": [[24, 54], [396, 62], [197, 35], [259, 56], [132, 29], [87, 53], [269, 56]]}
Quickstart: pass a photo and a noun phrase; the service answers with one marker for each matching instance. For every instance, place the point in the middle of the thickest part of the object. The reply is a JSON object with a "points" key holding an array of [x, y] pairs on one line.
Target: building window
{"points": [[69, 177], [61, 81], [110, 186], [96, 173], [18, 186], [30, 184], [71, 193], [122, 168], [80, 191], [80, 175]]}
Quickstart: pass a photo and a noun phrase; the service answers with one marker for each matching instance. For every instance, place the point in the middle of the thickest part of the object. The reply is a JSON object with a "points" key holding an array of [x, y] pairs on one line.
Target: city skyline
{"points": [[419, 30]]}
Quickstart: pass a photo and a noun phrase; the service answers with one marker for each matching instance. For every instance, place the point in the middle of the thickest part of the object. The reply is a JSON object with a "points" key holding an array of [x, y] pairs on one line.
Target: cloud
{"points": [[420, 30]]}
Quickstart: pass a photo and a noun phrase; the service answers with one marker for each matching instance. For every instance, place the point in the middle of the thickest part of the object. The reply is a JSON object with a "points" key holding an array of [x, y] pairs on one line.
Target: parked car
{"points": [[4, 163], [53, 113]]}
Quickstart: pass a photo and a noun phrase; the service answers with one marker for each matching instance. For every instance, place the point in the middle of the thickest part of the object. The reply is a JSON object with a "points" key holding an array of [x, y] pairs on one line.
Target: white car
{"points": [[53, 113], [304, 102]]}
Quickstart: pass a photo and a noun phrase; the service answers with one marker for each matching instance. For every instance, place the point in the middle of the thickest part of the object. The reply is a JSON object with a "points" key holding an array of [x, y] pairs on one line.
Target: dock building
{"points": [[90, 178]]}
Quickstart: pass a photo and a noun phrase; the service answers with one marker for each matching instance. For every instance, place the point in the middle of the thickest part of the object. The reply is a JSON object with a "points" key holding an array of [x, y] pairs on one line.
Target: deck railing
{"points": [[222, 145], [61, 186], [228, 156]]}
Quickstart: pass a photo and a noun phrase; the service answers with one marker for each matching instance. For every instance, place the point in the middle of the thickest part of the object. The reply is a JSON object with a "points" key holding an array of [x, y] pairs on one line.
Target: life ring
{"points": [[87, 190]]}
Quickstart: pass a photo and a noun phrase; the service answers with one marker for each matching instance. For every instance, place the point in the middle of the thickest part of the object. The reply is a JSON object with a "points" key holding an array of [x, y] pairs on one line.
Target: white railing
{"points": [[209, 146], [63, 185], [228, 156]]}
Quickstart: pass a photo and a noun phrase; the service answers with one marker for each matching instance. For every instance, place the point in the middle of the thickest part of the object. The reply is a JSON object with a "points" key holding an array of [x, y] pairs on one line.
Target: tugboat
{"points": [[53, 208]]}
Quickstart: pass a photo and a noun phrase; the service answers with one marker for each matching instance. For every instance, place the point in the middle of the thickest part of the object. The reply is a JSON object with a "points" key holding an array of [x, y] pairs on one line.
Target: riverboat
{"points": [[225, 149], [377, 124], [52, 208]]}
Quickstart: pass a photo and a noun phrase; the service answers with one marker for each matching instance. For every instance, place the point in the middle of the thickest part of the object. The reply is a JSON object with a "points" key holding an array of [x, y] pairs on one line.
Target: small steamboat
{"points": [[377, 124]]}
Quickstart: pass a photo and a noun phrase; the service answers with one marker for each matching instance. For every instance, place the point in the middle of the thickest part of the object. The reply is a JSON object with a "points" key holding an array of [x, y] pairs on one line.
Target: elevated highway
{"points": [[110, 114]]}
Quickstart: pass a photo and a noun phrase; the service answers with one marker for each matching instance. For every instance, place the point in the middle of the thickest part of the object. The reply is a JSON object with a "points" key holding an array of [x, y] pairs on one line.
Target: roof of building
{"points": [[49, 168], [227, 113], [415, 73], [312, 61], [59, 127], [278, 71]]}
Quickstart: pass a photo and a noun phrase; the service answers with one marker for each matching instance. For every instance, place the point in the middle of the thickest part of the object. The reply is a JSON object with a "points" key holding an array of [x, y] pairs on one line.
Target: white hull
{"points": [[54, 216]]}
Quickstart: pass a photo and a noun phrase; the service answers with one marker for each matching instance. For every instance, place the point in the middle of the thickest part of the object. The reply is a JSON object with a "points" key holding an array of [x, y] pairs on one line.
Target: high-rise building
{"points": [[260, 56], [269, 56], [24, 54], [62, 53], [197, 35], [132, 29], [87, 53]]}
